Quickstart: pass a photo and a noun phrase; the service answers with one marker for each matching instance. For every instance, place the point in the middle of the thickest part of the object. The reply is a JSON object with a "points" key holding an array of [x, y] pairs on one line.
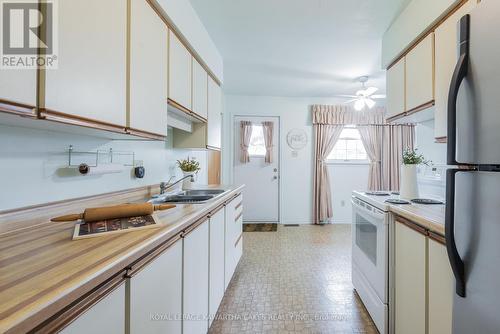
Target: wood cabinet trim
{"points": [[140, 264], [427, 32], [238, 205], [441, 140], [194, 226], [61, 117], [18, 109], [145, 134], [213, 148], [437, 237], [415, 110], [216, 210], [185, 110], [70, 313], [412, 225]]}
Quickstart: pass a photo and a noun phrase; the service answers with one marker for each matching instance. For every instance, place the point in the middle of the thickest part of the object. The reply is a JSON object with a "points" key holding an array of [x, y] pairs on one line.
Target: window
{"points": [[257, 147], [349, 147]]}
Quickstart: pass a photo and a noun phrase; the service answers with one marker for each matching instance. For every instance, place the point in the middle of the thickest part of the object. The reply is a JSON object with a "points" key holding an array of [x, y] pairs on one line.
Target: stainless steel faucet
{"points": [[167, 185]]}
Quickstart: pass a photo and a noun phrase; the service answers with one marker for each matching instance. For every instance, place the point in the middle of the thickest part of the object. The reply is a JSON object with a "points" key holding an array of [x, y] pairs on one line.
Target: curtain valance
{"points": [[343, 115]]}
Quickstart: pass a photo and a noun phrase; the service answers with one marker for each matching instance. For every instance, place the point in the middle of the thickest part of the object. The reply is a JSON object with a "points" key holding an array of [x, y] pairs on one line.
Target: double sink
{"points": [[188, 196]]}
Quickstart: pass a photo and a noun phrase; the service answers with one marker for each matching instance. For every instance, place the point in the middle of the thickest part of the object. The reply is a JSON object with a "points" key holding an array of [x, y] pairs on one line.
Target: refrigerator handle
{"points": [[459, 75], [456, 262]]}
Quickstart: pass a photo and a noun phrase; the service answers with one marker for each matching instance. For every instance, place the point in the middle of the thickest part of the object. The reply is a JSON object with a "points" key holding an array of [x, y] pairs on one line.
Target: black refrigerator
{"points": [[473, 181]]}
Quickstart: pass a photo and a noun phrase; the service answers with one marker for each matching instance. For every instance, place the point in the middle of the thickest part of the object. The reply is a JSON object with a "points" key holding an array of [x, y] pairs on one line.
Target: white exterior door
{"points": [[261, 178]]}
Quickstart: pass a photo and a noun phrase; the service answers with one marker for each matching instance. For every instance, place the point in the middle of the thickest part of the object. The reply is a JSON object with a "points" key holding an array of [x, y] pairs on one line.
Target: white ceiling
{"points": [[302, 48]]}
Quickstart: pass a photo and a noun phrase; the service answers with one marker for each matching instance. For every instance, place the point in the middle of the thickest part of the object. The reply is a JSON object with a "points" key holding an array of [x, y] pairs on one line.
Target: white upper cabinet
{"points": [[90, 81], [214, 114], [396, 89], [157, 290], [420, 74], [18, 86], [446, 38], [148, 70], [180, 72], [412, 23], [200, 89]]}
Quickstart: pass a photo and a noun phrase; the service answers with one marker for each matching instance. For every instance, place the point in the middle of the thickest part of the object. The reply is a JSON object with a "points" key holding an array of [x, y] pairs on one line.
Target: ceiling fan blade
{"points": [[359, 105], [381, 96], [370, 103], [350, 101], [350, 96], [370, 90]]}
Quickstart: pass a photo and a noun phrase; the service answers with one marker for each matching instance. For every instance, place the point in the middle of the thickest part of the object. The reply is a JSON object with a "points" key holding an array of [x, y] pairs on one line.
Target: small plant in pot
{"points": [[411, 159], [189, 166]]}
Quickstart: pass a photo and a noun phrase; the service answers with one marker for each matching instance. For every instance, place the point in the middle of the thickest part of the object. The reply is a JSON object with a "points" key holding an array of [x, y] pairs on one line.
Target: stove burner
{"points": [[397, 201], [426, 201], [378, 193]]}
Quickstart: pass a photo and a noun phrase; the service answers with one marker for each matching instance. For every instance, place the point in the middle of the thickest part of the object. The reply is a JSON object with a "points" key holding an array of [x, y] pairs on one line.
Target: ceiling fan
{"points": [[364, 97]]}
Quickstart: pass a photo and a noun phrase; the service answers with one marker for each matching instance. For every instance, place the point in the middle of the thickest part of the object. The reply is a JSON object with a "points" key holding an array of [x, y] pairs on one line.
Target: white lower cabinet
{"points": [[440, 309], [195, 280], [216, 271], [410, 286], [106, 317], [155, 295], [233, 240], [423, 282], [180, 290]]}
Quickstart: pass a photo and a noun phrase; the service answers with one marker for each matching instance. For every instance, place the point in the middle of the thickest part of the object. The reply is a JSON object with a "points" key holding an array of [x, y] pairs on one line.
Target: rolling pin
{"points": [[113, 212]]}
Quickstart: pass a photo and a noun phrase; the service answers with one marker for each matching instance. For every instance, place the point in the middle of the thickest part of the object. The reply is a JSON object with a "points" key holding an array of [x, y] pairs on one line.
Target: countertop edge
{"points": [[68, 297]]}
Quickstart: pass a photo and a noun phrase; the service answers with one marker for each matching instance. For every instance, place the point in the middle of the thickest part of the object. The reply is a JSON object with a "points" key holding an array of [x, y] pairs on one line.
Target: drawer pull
{"points": [[238, 217]]}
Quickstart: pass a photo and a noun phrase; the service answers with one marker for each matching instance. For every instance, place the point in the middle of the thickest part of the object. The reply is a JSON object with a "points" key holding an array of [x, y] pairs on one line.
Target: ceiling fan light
{"points": [[370, 103], [359, 104]]}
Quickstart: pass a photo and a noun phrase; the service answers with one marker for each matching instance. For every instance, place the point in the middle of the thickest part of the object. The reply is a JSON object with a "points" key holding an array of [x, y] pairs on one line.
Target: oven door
{"points": [[370, 245]]}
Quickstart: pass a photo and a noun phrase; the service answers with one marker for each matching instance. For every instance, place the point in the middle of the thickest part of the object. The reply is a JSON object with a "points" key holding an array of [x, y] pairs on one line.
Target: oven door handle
{"points": [[362, 209]]}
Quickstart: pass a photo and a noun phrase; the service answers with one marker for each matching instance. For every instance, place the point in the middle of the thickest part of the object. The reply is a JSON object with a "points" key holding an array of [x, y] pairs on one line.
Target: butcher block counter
{"points": [[42, 270], [431, 217]]}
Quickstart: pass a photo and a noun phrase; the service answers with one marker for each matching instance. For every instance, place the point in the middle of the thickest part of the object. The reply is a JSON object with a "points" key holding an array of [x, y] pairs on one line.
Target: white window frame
{"points": [[349, 161]]}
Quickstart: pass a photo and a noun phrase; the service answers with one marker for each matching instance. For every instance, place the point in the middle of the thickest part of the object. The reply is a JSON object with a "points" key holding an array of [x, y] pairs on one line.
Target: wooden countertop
{"points": [[42, 269], [431, 217]]}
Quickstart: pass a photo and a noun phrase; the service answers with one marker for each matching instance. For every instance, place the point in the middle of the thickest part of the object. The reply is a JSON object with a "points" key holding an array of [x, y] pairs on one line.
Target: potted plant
{"points": [[188, 166], [411, 159]]}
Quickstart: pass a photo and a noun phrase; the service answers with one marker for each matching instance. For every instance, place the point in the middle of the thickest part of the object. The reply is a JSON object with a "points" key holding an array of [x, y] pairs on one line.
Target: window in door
{"points": [[349, 147], [257, 147]]}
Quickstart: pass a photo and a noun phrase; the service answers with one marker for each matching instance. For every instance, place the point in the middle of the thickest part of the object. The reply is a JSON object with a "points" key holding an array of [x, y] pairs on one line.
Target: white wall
{"points": [[31, 162], [344, 178], [296, 172], [186, 20], [425, 142]]}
